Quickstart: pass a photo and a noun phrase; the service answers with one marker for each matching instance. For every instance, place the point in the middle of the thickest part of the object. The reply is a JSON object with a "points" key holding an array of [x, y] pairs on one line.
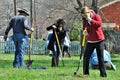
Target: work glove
{"points": [[85, 32], [29, 35], [54, 27], [5, 37], [88, 17], [32, 29]]}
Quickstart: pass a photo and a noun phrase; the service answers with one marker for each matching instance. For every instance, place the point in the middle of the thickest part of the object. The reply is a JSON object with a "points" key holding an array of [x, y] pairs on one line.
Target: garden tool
{"points": [[82, 50]]}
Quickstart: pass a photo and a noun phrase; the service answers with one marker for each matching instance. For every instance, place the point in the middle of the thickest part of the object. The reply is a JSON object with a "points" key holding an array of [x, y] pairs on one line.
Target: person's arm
{"points": [[53, 26], [27, 26], [49, 28], [97, 21], [10, 25], [84, 23]]}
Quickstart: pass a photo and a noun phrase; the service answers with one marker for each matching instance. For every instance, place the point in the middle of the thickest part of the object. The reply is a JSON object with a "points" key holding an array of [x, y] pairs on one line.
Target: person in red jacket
{"points": [[95, 39]]}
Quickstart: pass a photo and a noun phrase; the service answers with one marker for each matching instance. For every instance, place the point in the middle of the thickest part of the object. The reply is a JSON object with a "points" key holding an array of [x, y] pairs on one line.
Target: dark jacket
{"points": [[61, 36], [19, 23]]}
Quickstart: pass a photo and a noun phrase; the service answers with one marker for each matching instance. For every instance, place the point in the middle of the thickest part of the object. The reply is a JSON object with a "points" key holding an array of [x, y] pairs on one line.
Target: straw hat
{"points": [[24, 11]]}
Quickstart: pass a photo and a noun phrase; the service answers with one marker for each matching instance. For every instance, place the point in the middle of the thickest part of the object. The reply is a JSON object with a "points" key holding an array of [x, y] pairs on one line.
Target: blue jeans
{"points": [[19, 40]]}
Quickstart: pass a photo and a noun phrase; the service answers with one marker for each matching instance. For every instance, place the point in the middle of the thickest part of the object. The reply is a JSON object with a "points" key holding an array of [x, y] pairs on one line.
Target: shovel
{"points": [[29, 61], [82, 50], [59, 47]]}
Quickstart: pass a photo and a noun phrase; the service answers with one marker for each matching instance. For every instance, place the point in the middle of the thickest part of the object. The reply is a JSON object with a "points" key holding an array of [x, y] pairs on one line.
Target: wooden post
{"points": [[14, 7]]}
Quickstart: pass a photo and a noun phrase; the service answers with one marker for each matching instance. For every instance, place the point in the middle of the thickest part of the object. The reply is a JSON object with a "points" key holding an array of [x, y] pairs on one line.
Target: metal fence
{"points": [[38, 47]]}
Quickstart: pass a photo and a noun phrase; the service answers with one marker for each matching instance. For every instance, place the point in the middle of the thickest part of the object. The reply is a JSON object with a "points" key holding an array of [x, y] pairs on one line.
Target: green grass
{"points": [[7, 72]]}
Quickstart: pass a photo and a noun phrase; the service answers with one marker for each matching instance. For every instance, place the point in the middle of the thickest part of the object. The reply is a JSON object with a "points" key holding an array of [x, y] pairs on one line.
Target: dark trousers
{"points": [[55, 57], [66, 49], [88, 51]]}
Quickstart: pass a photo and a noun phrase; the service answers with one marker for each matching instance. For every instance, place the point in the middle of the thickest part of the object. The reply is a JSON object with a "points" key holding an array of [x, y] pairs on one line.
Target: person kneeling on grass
{"points": [[107, 60]]}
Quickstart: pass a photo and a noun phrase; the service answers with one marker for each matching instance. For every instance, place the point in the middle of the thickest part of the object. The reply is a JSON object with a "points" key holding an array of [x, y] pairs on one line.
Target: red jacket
{"points": [[94, 28]]}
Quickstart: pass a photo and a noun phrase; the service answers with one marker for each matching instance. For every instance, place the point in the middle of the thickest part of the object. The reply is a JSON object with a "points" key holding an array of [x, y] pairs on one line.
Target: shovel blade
{"points": [[29, 63]]}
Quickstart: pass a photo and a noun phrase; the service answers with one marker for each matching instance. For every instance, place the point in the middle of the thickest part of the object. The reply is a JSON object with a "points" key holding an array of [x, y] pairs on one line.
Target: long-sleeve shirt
{"points": [[94, 28], [18, 23], [61, 35]]}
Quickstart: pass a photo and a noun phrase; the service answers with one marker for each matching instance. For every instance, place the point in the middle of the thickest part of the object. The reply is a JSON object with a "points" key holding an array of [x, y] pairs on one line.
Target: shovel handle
{"points": [[83, 40], [31, 39], [59, 46]]}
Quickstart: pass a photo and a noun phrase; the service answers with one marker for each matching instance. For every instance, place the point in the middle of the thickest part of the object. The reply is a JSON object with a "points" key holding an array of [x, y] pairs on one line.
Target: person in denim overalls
{"points": [[18, 23]]}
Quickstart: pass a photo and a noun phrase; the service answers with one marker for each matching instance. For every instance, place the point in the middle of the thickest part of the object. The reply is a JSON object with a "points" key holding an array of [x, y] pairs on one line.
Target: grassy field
{"points": [[7, 72]]}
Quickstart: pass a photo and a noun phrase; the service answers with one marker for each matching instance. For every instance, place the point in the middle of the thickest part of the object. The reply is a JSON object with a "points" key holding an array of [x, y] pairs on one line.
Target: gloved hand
{"points": [[88, 17], [32, 29], [29, 35], [5, 37], [85, 32], [54, 27]]}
